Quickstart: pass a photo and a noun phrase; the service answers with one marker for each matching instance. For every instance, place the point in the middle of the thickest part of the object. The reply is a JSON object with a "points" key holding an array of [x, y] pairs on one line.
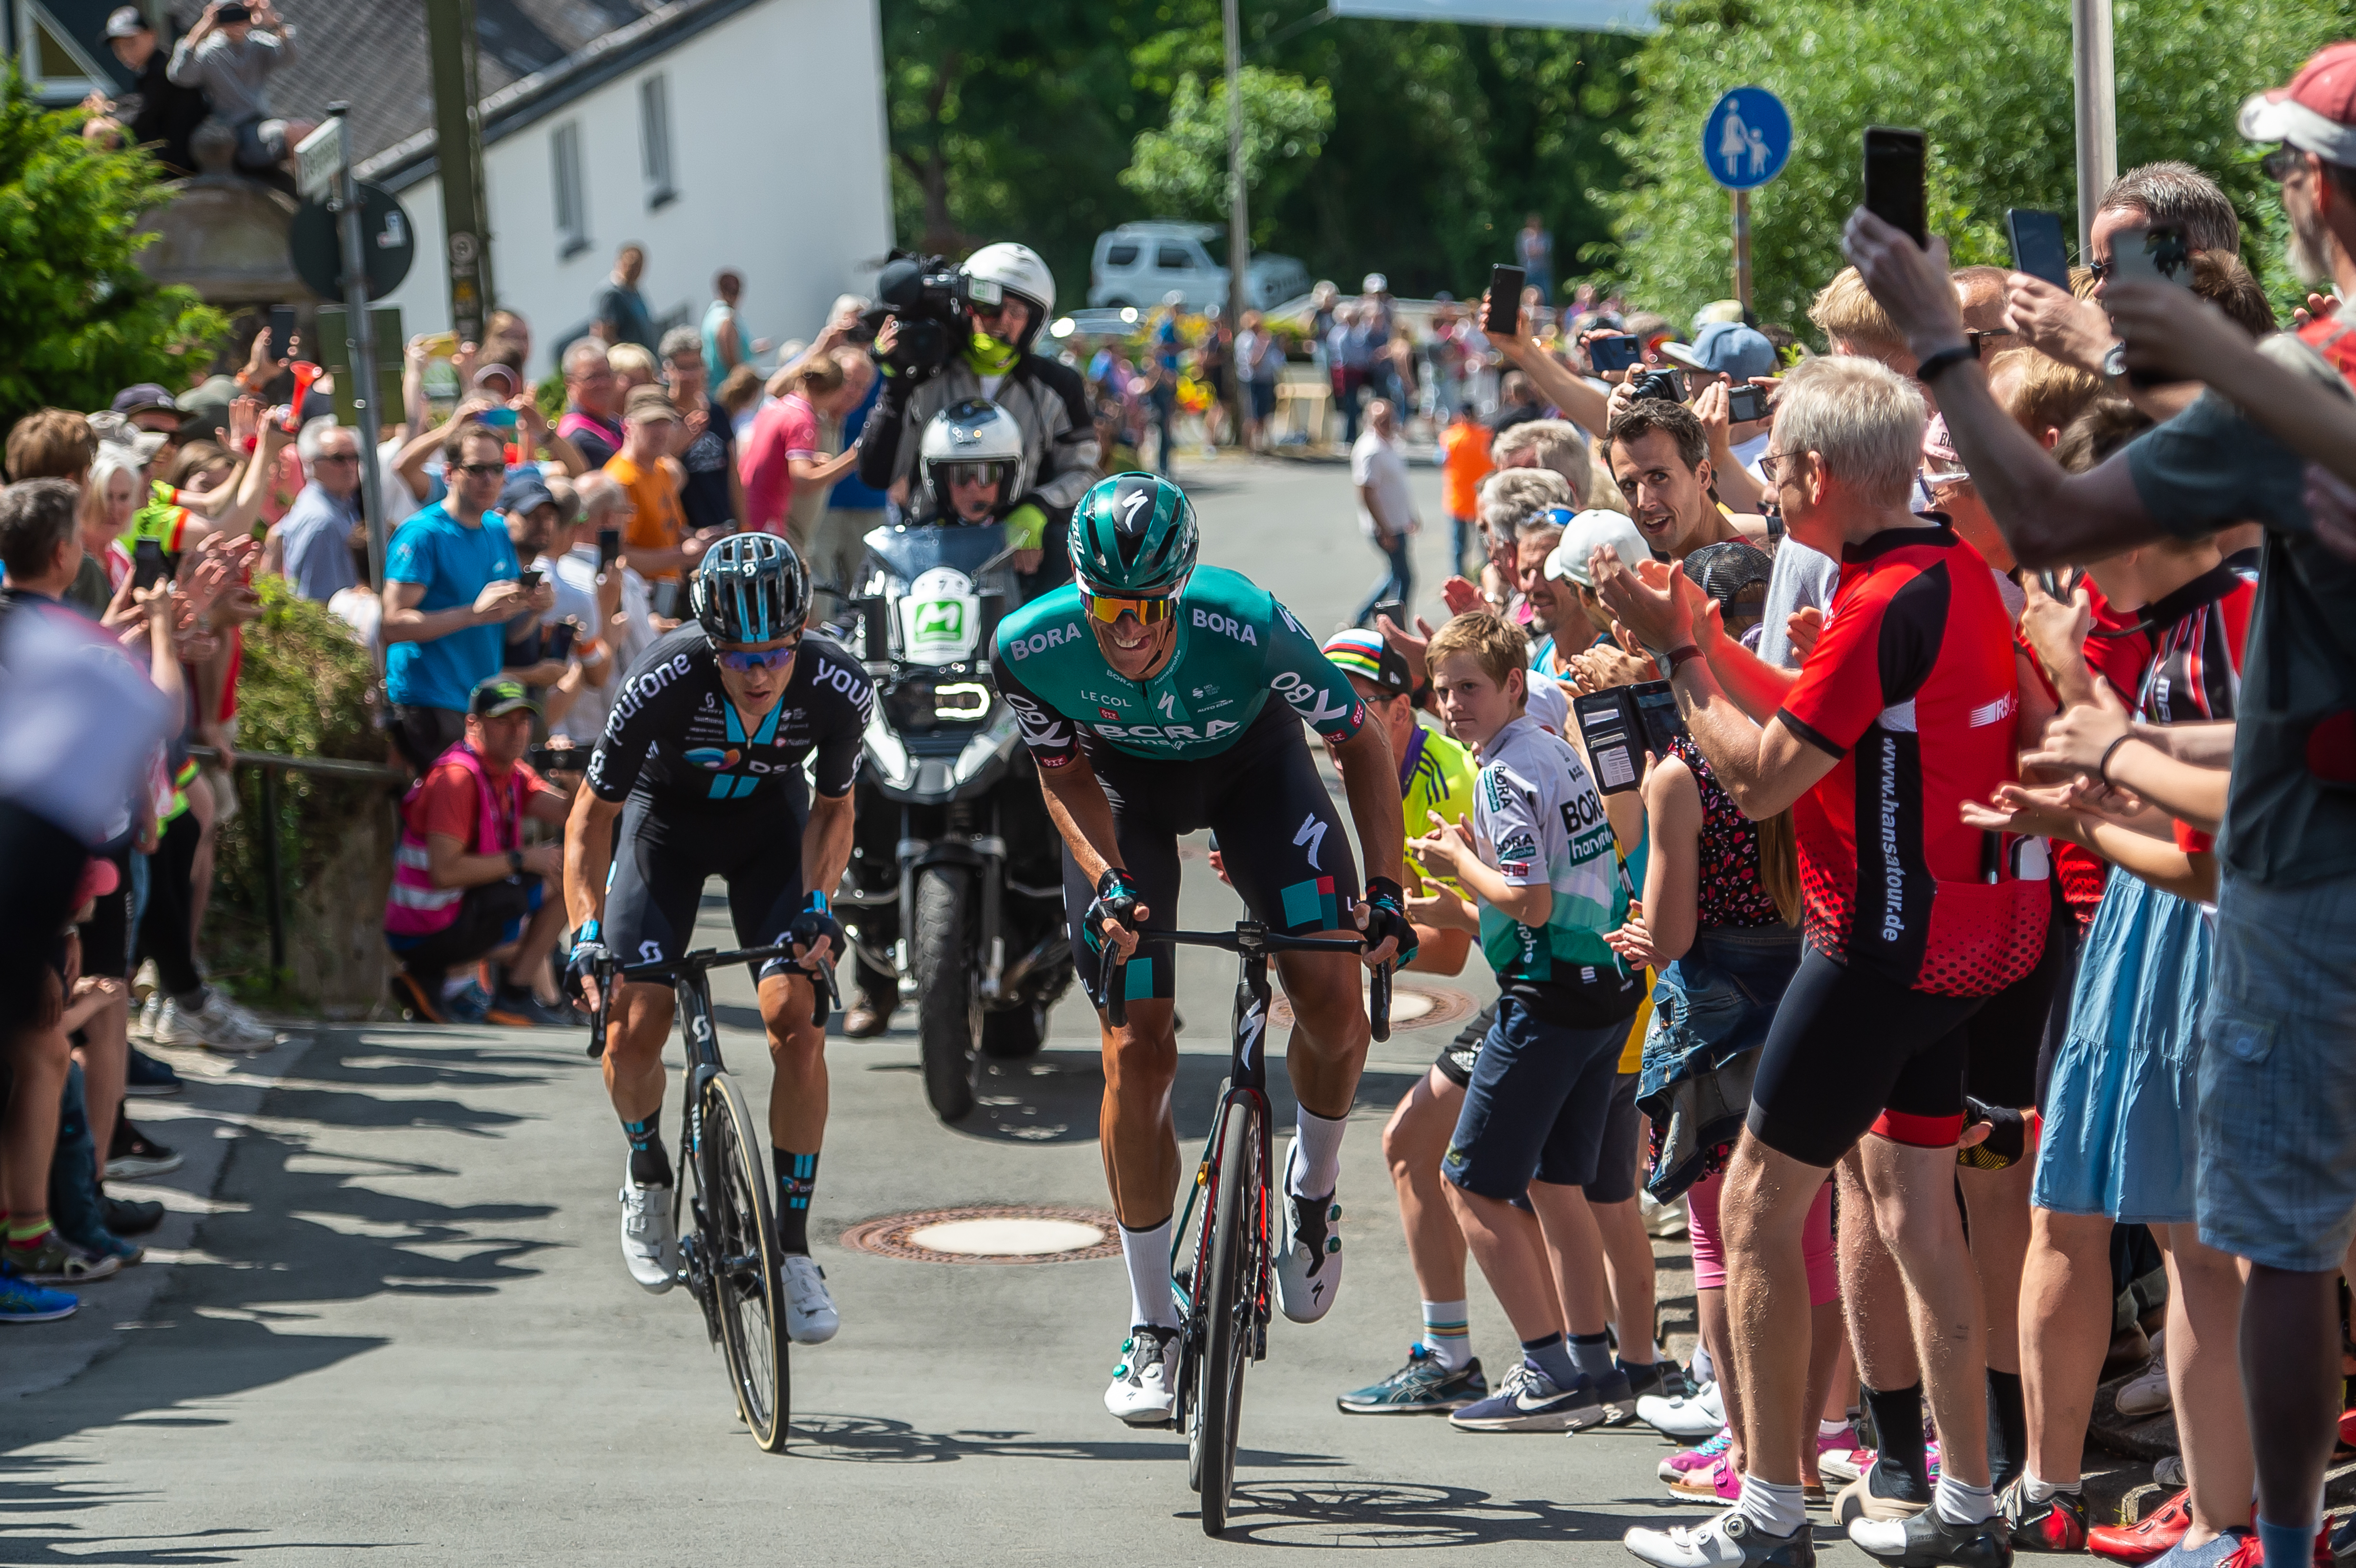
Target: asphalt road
{"points": [[385, 1320]]}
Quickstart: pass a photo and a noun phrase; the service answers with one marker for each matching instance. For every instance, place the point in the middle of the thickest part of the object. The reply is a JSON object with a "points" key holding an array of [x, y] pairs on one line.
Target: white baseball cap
{"points": [[1376, 283], [1583, 533]]}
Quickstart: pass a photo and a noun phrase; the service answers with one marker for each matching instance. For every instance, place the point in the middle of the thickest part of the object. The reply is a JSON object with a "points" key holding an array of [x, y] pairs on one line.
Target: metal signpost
{"points": [[1745, 141], [452, 46], [1239, 233], [325, 162]]}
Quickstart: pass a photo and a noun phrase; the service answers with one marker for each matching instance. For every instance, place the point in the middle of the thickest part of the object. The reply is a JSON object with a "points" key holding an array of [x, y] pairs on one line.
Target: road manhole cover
{"points": [[988, 1234], [1412, 1007]]}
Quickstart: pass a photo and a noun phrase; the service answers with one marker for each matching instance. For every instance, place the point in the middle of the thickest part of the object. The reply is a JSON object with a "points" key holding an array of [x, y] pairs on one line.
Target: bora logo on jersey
{"points": [[712, 757]]}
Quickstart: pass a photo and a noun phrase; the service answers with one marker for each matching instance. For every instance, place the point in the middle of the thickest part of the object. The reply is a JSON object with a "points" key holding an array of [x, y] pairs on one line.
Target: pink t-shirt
{"points": [[784, 429]]}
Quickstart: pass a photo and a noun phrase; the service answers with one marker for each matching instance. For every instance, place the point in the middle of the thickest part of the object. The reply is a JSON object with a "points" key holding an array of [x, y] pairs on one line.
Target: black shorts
{"points": [[1279, 837], [2009, 1033], [39, 863], [1849, 1053], [489, 918], [422, 734], [106, 934], [664, 854], [1457, 1057]]}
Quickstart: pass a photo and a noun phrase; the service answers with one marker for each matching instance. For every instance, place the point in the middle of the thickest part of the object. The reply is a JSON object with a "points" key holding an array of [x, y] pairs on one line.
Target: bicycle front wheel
{"points": [[750, 1297], [1226, 1307]]}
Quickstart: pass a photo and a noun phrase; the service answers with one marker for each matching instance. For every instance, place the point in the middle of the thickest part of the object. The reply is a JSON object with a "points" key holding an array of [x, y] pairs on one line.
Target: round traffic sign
{"points": [[1747, 139], [388, 244]]}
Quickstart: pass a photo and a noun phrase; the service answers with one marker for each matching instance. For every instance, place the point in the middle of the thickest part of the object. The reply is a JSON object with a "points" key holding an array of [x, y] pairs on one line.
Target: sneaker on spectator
{"points": [[148, 1078], [1661, 1377], [147, 981], [2168, 1471], [143, 1019], [522, 1009], [470, 1004], [56, 1260], [1698, 1458], [107, 1244], [162, 1017], [2146, 1393], [130, 1216], [1691, 1418], [1663, 1219], [133, 1155], [22, 1301], [221, 1025]]}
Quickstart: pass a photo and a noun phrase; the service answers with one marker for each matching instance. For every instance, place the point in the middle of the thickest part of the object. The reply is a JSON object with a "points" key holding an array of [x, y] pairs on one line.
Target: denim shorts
{"points": [[1536, 1108], [2276, 1181]]}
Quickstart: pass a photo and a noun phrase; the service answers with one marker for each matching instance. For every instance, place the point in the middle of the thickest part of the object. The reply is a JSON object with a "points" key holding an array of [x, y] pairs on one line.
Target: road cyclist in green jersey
{"points": [[1161, 696]]}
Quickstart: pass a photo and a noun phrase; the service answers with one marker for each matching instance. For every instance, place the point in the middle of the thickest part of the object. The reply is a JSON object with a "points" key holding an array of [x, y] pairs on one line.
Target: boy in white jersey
{"points": [[1540, 860]]}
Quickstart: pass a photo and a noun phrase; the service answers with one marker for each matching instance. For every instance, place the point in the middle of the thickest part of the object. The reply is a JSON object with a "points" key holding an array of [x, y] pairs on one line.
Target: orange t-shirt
{"points": [[657, 520], [1464, 464]]}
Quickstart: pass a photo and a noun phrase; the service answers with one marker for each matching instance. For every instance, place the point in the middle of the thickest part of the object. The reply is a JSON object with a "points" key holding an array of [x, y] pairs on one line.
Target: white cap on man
{"points": [[126, 22], [1580, 537]]}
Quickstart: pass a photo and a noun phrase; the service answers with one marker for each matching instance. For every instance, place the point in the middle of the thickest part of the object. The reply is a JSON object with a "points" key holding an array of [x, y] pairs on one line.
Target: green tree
{"points": [[1991, 86], [79, 320], [1181, 170]]}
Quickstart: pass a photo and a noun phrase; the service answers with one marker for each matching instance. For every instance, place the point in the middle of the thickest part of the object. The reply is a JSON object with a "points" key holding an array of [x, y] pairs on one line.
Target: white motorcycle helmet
{"points": [[974, 439], [1004, 268]]}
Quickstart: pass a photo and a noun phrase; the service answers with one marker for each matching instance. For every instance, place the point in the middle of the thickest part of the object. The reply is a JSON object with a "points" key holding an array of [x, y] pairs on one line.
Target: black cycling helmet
{"points": [[750, 588]]}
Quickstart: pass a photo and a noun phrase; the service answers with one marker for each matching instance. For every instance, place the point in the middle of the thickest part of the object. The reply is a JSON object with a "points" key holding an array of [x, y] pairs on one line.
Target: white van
{"points": [[1141, 264]]}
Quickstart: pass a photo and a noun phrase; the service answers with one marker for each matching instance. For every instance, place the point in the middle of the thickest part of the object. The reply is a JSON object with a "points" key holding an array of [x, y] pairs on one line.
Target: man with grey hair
{"points": [[1508, 496], [1874, 745], [324, 528], [1546, 444]]}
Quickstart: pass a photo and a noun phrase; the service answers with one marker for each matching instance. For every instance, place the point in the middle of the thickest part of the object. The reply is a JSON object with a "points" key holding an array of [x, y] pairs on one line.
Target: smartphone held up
{"points": [[1894, 159]]}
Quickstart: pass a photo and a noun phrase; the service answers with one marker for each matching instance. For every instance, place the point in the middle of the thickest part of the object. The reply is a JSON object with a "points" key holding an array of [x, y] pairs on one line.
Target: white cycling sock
{"points": [[1778, 1510], [1147, 1254], [1316, 1155], [1831, 1428], [1446, 1336], [2040, 1489], [1960, 1504]]}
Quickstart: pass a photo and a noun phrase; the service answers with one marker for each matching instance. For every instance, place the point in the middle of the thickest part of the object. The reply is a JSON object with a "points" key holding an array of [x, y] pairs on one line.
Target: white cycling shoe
{"points": [[650, 1244], [1145, 1383], [810, 1316], [1308, 1253]]}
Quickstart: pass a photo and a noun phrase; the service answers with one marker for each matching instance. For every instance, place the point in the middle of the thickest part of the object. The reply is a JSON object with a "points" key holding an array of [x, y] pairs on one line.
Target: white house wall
{"points": [[777, 159]]}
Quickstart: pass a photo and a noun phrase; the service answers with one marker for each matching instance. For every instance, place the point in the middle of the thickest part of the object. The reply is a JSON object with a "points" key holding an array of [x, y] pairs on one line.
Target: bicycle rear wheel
{"points": [[1226, 1308], [742, 1238]]}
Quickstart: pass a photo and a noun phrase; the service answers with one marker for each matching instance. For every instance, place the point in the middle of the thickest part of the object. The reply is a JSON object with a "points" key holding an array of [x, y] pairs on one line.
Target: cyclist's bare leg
{"points": [[797, 1050], [635, 1030], [1328, 1048], [1140, 1141]]}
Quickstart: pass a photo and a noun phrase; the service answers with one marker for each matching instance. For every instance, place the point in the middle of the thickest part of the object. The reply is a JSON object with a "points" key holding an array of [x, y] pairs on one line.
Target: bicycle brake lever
{"points": [[597, 1019], [1379, 1002], [1116, 986], [824, 998]]}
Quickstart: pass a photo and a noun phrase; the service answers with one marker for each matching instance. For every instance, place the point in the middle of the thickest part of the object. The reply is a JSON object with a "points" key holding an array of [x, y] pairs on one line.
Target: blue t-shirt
{"points": [[455, 564], [849, 494]]}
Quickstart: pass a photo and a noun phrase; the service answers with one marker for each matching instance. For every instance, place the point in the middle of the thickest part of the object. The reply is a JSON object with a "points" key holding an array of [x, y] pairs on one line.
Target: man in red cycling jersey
{"points": [[1905, 708]]}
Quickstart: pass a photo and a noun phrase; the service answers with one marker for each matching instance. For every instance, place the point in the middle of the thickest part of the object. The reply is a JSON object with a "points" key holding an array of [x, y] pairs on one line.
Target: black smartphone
{"points": [[666, 601], [1656, 710], [609, 547], [1615, 737], [556, 639], [282, 330], [557, 758], [1615, 351], [148, 566], [1505, 313], [1893, 179], [2037, 248], [529, 577], [1745, 405]]}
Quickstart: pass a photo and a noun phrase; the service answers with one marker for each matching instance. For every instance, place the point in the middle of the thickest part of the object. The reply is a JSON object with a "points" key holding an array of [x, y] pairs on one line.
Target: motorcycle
{"points": [[955, 889]]}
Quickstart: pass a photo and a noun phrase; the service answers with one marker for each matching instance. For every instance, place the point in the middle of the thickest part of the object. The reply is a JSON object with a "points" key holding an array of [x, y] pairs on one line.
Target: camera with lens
{"points": [[932, 300], [1668, 385]]}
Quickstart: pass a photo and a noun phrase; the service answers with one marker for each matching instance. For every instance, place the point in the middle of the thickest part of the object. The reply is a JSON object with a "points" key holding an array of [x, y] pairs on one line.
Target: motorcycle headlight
{"points": [[891, 756], [994, 738]]}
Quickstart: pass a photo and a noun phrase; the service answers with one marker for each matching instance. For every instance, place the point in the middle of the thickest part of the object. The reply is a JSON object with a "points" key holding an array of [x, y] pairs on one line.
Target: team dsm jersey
{"points": [[1236, 645], [674, 737], [1912, 685]]}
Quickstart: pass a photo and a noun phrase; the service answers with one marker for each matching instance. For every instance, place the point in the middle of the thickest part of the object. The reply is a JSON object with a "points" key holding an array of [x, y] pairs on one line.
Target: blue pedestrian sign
{"points": [[1747, 139]]}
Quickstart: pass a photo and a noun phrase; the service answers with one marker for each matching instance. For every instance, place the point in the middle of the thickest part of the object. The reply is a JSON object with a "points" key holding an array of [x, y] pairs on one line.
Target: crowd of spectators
{"points": [[218, 73]]}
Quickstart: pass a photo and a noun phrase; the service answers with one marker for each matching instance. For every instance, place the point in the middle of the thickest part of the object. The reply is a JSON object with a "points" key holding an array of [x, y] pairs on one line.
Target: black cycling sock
{"points": [[797, 1179], [649, 1161], [1897, 1437], [2007, 1428]]}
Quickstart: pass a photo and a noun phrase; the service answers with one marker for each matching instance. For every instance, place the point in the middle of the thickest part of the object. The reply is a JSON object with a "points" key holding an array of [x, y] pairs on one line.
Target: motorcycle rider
{"points": [[974, 469], [1014, 297]]}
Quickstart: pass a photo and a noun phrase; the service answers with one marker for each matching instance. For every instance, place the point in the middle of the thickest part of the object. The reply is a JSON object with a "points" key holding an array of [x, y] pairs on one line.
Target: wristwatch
{"points": [[515, 861]]}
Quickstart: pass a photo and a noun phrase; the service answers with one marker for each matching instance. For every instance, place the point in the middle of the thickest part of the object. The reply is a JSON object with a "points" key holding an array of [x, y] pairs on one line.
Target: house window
{"points": [[654, 137], [54, 65], [571, 196]]}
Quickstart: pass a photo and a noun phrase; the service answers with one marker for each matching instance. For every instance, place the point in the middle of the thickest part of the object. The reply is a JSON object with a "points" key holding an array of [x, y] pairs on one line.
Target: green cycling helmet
{"points": [[1134, 533]]}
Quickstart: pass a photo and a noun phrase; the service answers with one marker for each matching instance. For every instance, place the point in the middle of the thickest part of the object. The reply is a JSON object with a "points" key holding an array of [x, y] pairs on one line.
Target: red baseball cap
{"points": [[2315, 113]]}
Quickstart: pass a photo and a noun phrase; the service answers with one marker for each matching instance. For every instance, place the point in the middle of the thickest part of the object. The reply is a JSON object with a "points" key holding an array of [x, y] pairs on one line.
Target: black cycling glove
{"points": [[2007, 1139], [587, 953], [1116, 899], [814, 920], [1387, 917]]}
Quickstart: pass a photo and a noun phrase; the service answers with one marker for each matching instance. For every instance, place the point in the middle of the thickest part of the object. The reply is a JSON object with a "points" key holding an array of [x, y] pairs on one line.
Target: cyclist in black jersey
{"points": [[701, 762]]}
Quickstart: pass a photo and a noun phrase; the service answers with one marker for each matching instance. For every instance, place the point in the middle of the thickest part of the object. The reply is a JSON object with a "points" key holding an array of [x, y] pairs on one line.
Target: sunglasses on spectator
{"points": [[481, 470], [338, 457], [2282, 162], [745, 660], [1110, 608]]}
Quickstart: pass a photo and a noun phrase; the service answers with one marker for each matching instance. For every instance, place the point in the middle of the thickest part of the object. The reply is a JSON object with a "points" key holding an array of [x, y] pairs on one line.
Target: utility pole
{"points": [[458, 146], [1238, 225], [2098, 116], [359, 335]]}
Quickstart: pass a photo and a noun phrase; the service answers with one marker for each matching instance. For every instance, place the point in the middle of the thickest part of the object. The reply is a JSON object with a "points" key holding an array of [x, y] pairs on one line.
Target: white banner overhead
{"points": [[1579, 15]]}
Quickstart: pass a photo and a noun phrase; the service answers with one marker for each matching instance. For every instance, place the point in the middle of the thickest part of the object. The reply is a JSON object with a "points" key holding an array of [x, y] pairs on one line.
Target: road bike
{"points": [[1224, 1298], [728, 1258]]}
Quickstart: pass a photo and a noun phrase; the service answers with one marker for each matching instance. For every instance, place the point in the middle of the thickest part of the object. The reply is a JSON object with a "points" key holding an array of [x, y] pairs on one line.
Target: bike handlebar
{"points": [[824, 1002], [1246, 935]]}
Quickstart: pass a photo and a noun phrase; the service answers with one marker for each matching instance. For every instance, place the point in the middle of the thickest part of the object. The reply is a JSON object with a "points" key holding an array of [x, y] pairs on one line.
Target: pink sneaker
{"points": [[1720, 1484], [1688, 1459]]}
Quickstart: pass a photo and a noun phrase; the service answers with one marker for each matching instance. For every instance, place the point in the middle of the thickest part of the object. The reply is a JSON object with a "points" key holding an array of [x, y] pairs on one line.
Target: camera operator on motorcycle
{"points": [[1011, 296]]}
